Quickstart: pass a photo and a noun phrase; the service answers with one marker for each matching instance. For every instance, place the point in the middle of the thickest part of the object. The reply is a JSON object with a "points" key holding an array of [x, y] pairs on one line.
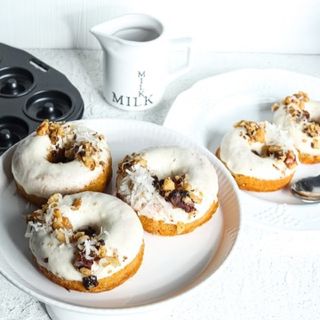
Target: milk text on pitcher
{"points": [[136, 101], [132, 101]]}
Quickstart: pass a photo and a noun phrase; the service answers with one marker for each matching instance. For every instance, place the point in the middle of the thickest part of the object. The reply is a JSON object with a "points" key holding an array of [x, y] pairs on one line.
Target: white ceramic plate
{"points": [[171, 266], [208, 110]]}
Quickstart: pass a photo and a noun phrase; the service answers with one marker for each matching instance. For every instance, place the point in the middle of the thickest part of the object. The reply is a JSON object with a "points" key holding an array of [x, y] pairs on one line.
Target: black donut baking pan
{"points": [[31, 91]]}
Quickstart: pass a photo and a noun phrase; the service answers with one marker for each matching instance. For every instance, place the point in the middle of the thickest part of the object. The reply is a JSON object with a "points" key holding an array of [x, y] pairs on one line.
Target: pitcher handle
{"points": [[176, 44]]}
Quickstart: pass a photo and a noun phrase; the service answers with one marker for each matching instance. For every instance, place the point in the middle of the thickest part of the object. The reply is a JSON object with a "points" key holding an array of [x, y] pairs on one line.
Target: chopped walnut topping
{"points": [[195, 198], [297, 113], [43, 128], [275, 107], [312, 129], [85, 152], [102, 252], [302, 96], [53, 129], [39, 216], [55, 198], [61, 236], [168, 184], [76, 204], [65, 148], [36, 216], [278, 153], [131, 160], [77, 235], [66, 223], [295, 106], [57, 214], [298, 99], [290, 160], [85, 271], [60, 222], [255, 132], [178, 192], [83, 238], [315, 144], [272, 150]]}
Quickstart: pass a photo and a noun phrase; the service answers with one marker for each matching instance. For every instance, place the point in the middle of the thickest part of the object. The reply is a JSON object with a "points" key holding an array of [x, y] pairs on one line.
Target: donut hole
{"points": [[278, 153], [67, 149], [60, 155], [90, 230]]}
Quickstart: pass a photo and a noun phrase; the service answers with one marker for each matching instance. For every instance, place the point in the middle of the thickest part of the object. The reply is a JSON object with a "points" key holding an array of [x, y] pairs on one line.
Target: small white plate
{"points": [[209, 109], [171, 266]]}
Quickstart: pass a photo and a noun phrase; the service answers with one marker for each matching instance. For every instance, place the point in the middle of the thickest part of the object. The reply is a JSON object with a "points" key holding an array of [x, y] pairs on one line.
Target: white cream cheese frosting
{"points": [[295, 114], [117, 225], [136, 185], [242, 156], [38, 176]]}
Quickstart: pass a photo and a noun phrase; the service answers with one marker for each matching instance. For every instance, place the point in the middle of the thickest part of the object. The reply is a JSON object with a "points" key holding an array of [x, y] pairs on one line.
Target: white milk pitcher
{"points": [[136, 60]]}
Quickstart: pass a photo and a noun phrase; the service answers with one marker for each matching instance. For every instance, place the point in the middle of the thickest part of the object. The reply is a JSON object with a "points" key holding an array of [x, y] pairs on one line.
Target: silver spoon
{"points": [[307, 189]]}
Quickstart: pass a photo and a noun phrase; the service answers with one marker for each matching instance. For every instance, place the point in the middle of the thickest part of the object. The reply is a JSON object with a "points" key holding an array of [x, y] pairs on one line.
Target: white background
{"points": [[280, 26]]}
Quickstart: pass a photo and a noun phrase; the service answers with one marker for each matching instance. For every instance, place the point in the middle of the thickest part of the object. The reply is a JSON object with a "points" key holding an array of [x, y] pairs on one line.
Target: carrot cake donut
{"points": [[259, 155], [88, 241], [61, 158], [172, 189], [301, 118]]}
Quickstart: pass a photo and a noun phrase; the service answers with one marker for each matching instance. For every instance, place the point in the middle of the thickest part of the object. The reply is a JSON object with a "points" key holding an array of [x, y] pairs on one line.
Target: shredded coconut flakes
{"points": [[137, 186]]}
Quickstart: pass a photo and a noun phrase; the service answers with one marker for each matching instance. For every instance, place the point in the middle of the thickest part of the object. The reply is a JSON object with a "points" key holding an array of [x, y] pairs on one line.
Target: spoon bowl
{"points": [[307, 189]]}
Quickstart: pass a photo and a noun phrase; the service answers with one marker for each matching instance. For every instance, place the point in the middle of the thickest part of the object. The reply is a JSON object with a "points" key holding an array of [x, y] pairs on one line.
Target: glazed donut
{"points": [[61, 158], [300, 117], [172, 189], [259, 156], [88, 241]]}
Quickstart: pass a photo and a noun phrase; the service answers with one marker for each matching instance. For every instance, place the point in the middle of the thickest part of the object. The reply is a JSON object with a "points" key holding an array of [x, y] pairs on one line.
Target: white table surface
{"points": [[273, 274]]}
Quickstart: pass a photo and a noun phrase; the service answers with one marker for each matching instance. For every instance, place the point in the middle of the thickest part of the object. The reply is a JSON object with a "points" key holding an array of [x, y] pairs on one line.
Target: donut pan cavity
{"points": [[31, 91]]}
